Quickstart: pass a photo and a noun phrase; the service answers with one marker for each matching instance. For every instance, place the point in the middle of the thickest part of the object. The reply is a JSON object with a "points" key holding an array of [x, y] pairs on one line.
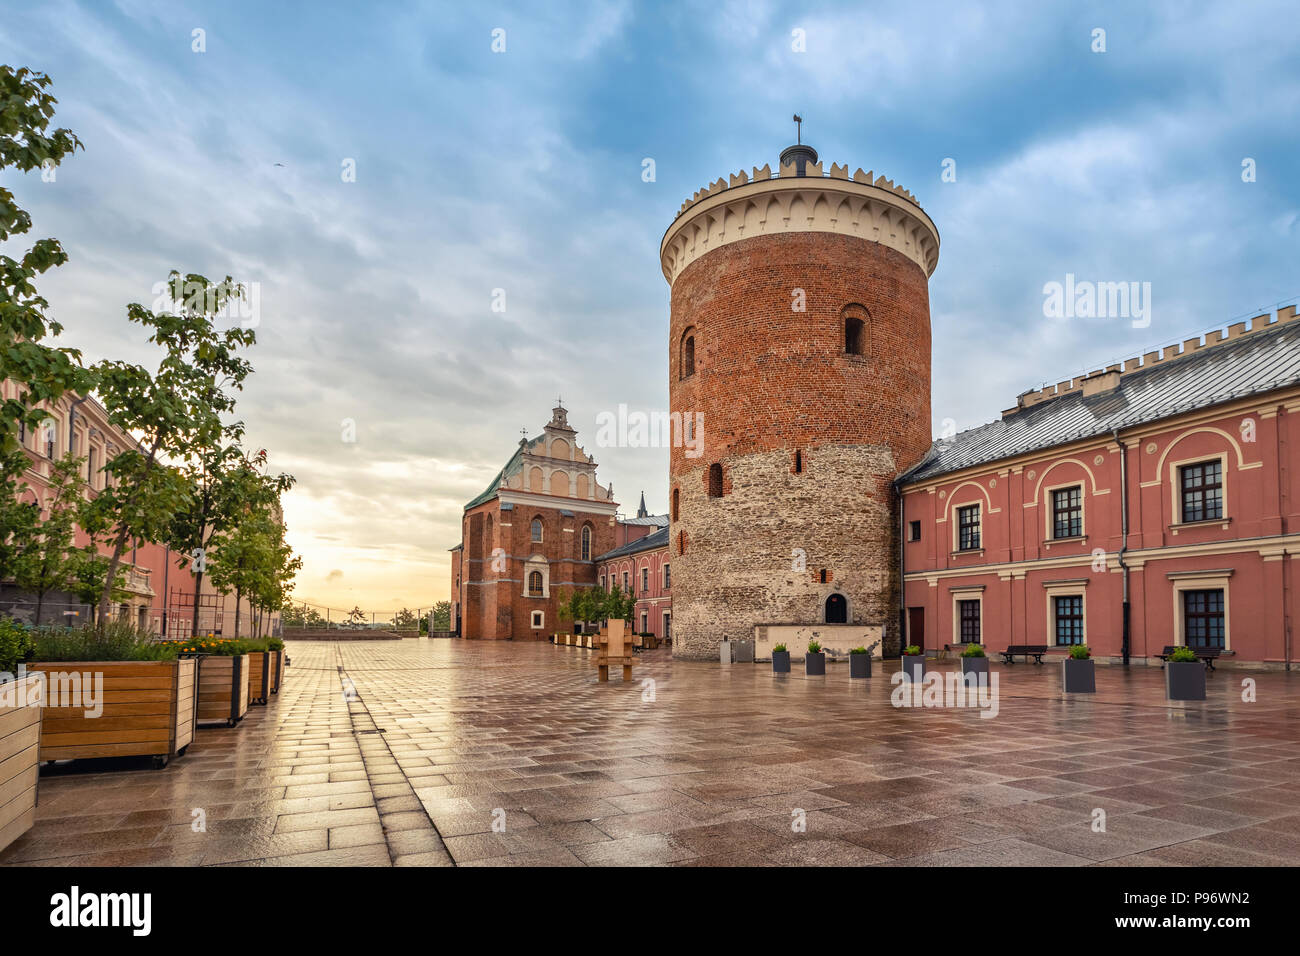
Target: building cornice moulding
{"points": [[877, 212]]}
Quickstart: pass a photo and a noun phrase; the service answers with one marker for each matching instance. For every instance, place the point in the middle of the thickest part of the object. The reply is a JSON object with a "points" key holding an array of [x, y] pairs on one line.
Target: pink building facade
{"points": [[643, 568], [1173, 480]]}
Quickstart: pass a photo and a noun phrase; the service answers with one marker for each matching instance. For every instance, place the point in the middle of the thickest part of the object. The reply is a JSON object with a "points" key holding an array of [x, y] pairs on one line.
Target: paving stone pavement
{"points": [[489, 754]]}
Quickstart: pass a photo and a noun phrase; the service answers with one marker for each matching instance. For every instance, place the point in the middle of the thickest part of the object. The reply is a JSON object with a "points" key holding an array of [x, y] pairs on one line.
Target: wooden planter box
{"points": [[223, 688], [148, 711], [20, 746], [277, 671], [260, 666]]}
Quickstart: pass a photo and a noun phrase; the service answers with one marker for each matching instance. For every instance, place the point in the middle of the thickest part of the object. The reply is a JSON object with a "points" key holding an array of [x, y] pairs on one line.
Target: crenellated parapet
{"points": [[1104, 379], [744, 205]]}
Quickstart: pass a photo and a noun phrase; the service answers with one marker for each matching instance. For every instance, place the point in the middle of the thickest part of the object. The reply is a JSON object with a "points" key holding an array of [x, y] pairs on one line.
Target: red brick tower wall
{"points": [[771, 381]]}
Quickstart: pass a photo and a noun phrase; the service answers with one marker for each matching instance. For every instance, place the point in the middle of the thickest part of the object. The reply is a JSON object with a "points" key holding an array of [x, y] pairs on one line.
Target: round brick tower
{"points": [[799, 353]]}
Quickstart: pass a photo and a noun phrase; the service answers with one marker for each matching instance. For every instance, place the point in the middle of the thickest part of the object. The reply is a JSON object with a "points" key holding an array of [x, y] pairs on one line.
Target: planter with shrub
{"points": [[780, 660], [1184, 675], [276, 647], [974, 661], [223, 677], [859, 662], [1078, 674], [147, 704], [914, 663], [814, 662], [260, 667], [20, 735]]}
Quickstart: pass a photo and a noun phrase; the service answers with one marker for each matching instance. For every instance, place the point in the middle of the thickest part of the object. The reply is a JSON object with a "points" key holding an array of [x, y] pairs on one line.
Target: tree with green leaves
{"points": [[89, 569], [271, 592], [175, 412], [242, 557], [225, 484], [442, 616], [301, 616], [405, 620], [43, 372], [20, 515], [48, 560]]}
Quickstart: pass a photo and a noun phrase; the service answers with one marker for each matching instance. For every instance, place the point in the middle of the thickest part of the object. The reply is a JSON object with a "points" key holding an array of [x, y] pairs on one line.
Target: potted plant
{"points": [[1078, 675], [780, 660], [975, 661], [914, 662], [260, 668], [224, 692], [814, 662], [144, 693], [276, 646], [1184, 675], [20, 733], [859, 662]]}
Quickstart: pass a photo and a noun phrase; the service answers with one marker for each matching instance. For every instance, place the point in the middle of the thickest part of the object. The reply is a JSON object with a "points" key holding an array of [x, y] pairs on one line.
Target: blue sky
{"points": [[521, 170]]}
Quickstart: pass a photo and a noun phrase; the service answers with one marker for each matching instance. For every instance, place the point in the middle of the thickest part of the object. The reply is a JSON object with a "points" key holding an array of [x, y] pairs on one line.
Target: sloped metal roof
{"points": [[653, 521], [511, 467], [1252, 364], [651, 542]]}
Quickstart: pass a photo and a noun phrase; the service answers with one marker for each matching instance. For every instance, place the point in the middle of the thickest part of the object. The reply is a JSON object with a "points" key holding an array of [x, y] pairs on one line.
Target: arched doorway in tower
{"points": [[837, 609]]}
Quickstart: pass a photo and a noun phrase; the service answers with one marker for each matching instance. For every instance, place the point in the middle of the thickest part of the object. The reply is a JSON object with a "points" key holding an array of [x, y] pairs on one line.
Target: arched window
{"points": [[586, 542], [535, 584], [837, 609], [715, 480], [537, 529], [688, 353], [677, 503], [853, 336]]}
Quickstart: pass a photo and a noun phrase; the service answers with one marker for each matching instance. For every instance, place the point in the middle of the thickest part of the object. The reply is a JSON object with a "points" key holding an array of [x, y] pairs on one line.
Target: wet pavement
{"points": [[480, 753]]}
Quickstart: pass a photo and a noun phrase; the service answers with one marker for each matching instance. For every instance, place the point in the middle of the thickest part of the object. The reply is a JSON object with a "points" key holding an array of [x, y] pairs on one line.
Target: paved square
{"points": [[480, 753]]}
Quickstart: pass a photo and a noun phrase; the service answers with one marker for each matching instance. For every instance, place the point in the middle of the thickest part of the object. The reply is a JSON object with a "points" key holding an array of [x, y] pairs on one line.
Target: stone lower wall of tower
{"points": [[740, 563]]}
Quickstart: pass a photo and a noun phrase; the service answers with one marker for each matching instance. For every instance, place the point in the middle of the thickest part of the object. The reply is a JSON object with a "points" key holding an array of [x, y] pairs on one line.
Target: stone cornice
{"points": [[589, 505], [876, 211]]}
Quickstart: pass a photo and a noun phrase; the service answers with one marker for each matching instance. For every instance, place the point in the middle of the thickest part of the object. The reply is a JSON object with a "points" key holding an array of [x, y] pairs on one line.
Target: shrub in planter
{"points": [[974, 660], [859, 662], [223, 677], [814, 662], [260, 666], [780, 660], [113, 691], [276, 647], [914, 662], [1078, 675], [20, 735], [1184, 675]]}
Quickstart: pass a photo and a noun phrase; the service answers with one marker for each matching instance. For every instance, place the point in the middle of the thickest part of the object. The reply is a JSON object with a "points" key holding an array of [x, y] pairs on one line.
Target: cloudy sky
{"points": [[521, 170]]}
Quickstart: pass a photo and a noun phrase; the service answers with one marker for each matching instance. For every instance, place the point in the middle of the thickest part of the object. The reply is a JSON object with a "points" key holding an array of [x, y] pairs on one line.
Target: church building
{"points": [[533, 533]]}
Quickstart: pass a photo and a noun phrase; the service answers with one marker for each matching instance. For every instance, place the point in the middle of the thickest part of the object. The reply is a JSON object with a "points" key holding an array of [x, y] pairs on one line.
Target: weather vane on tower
{"points": [[798, 129]]}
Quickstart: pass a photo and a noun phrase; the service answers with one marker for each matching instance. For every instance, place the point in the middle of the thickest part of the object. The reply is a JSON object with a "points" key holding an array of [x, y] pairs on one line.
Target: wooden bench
{"points": [[1036, 651], [614, 649], [1206, 655]]}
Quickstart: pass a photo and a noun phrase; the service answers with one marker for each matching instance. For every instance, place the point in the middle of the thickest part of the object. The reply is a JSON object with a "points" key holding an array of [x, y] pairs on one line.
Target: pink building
{"points": [[1148, 504], [643, 568], [159, 593]]}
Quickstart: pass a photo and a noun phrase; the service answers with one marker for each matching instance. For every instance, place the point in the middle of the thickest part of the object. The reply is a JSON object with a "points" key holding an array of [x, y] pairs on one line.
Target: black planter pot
{"points": [[780, 662], [1185, 680], [814, 665], [914, 667], [975, 665], [859, 665], [1078, 676]]}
